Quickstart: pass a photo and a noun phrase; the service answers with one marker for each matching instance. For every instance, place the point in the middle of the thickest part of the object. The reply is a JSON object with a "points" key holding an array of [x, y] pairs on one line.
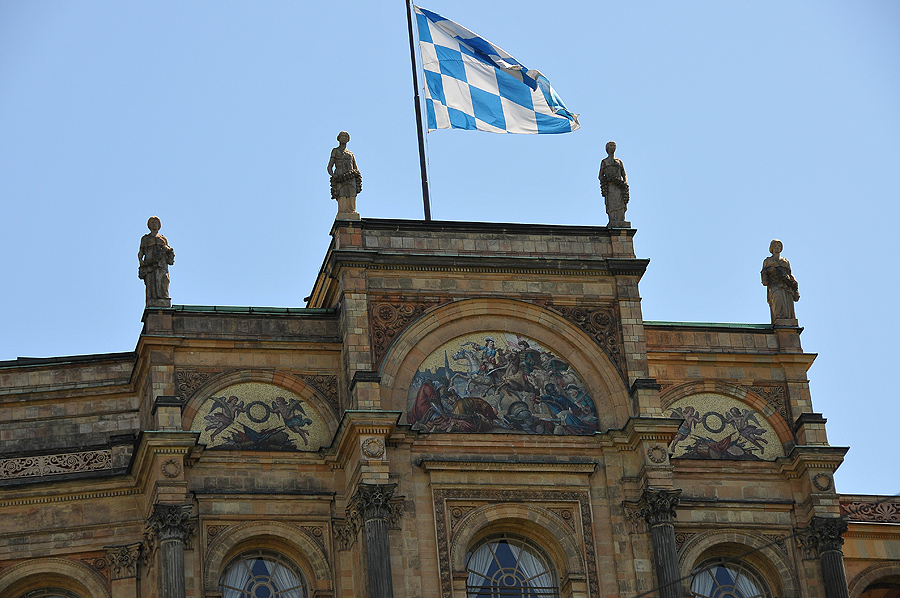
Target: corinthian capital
{"points": [[123, 560], [823, 534], [373, 501], [657, 505], [171, 522]]}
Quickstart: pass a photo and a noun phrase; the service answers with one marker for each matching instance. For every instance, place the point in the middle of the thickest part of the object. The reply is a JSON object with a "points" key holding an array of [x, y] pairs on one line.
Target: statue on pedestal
{"points": [[781, 285], [614, 187], [346, 180], [154, 258]]}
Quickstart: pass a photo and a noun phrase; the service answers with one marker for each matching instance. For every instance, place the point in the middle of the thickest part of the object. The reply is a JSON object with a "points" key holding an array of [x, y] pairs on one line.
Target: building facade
{"points": [[463, 409]]}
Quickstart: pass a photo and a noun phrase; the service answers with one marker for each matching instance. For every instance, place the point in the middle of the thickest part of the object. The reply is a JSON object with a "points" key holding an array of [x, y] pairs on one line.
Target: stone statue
{"points": [[782, 286], [614, 187], [155, 256], [346, 181]]}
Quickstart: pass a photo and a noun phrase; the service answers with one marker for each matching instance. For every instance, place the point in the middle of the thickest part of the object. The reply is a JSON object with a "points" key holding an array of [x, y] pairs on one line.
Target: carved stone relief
{"points": [[871, 511], [776, 396], [48, 465], [390, 315], [124, 560], [601, 323], [188, 381]]}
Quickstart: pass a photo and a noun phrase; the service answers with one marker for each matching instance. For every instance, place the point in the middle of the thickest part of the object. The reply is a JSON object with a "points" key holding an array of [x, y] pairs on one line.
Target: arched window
{"points": [[50, 593], [507, 566], [728, 578], [886, 587], [260, 574]]}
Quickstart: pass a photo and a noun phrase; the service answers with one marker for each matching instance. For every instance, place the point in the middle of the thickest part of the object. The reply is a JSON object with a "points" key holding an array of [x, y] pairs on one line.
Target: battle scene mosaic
{"points": [[719, 427], [259, 417], [492, 381]]}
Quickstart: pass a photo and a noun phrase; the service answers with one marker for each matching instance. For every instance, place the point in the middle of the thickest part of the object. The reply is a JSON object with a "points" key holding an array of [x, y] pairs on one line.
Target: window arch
{"points": [[262, 574], [508, 566], [728, 578], [50, 593]]}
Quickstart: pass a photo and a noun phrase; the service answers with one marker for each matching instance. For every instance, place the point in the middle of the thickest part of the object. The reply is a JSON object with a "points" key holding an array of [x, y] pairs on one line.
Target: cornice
{"points": [[64, 495], [803, 458], [521, 466]]}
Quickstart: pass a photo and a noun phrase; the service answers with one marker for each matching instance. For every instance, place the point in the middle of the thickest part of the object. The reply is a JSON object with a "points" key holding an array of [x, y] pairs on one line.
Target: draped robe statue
{"points": [[154, 258], [614, 187], [782, 288]]}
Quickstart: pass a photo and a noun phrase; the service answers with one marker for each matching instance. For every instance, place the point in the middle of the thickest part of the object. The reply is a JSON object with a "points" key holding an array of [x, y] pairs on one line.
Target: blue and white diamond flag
{"points": [[473, 84]]}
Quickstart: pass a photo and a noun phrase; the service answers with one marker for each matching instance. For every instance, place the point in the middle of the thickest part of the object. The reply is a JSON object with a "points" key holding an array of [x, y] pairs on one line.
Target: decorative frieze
{"points": [[124, 560], [871, 511], [50, 465]]}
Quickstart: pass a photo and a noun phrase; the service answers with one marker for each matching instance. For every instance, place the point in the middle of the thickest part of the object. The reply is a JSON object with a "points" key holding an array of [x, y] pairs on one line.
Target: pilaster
{"points": [[170, 528], [657, 507]]}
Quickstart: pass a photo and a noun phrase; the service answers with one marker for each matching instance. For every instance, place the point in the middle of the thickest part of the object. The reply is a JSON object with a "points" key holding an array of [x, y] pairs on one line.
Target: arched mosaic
{"points": [[257, 416], [719, 427], [492, 381]]}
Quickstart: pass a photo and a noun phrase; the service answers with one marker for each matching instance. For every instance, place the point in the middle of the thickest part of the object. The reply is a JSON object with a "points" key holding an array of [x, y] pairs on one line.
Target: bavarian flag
{"points": [[472, 84]]}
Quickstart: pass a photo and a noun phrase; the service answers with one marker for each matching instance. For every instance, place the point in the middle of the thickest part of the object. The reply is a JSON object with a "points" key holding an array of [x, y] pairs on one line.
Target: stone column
{"points": [[170, 525], [371, 505], [657, 507], [824, 535]]}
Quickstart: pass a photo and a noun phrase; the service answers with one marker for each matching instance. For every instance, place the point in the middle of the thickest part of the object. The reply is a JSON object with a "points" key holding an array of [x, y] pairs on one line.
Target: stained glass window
{"points": [[509, 567], [259, 574], [728, 578]]}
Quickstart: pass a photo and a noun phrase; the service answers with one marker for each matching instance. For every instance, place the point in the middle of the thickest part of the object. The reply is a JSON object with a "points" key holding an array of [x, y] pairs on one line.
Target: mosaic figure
{"points": [[520, 387]]}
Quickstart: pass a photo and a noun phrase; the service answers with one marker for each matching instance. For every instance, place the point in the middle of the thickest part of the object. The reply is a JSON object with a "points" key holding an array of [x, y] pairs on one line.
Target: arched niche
{"points": [[283, 538], [52, 572], [724, 422], [539, 525], [238, 410], [441, 326], [757, 551]]}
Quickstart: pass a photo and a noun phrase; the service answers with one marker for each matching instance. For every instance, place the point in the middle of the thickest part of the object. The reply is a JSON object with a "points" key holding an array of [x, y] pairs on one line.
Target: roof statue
{"points": [[782, 286], [346, 181], [155, 256], [614, 187]]}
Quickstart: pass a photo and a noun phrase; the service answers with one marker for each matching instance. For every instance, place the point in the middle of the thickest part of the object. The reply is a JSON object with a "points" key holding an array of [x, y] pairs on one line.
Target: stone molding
{"points": [[824, 534], [870, 575], [58, 464], [124, 560], [657, 505], [169, 522], [873, 511]]}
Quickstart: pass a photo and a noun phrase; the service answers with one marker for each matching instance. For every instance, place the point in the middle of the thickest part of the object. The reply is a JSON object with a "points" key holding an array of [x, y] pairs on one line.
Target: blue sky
{"points": [[738, 122]]}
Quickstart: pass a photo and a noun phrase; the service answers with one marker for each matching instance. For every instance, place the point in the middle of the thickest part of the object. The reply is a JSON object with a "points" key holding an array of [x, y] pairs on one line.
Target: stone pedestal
{"points": [[657, 507], [347, 209], [371, 505], [171, 527]]}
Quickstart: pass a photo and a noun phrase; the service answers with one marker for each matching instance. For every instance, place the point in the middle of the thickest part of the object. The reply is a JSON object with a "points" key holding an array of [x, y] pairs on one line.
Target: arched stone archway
{"points": [[873, 575], [538, 524], [52, 572], [760, 552], [290, 540]]}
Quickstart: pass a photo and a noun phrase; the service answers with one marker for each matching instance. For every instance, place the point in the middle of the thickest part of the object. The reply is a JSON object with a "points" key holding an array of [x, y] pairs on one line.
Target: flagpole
{"points": [[415, 72]]}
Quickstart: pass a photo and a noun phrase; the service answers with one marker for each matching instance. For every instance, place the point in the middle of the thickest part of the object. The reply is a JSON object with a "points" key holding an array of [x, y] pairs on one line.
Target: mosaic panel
{"points": [[259, 417], [493, 381], [719, 427]]}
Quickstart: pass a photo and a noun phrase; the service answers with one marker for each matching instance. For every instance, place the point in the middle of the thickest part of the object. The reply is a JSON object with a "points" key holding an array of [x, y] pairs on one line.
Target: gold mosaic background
{"points": [[259, 416], [719, 427]]}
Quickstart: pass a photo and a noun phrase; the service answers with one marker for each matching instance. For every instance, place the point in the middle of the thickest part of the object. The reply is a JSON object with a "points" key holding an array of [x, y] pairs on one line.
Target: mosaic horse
{"points": [[476, 376]]}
